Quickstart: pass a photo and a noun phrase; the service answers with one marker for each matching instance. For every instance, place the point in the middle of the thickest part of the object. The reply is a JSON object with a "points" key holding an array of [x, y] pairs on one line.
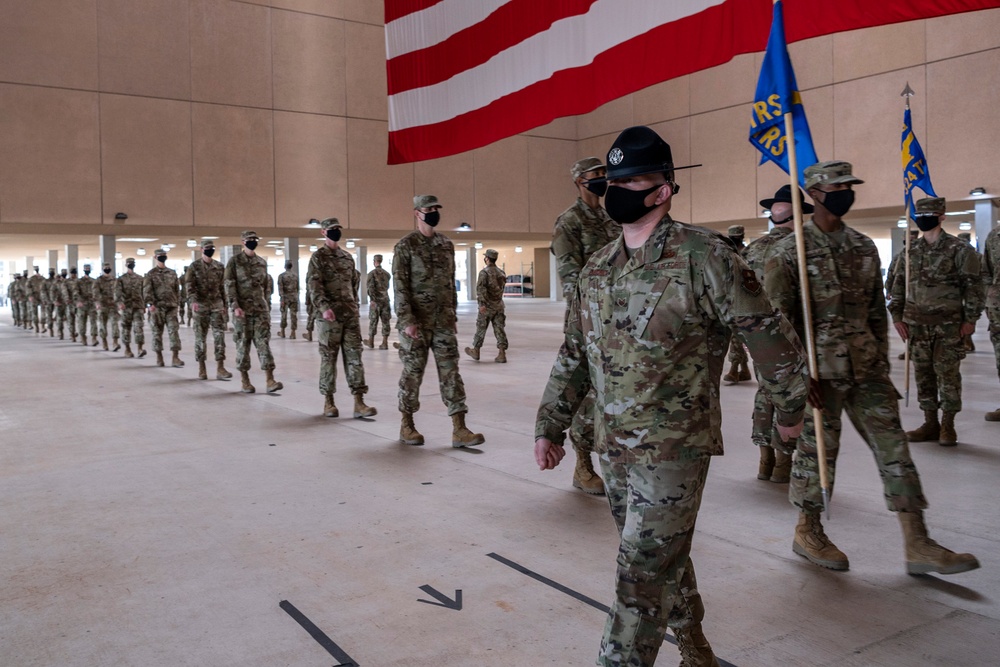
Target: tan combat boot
{"points": [[370, 341], [362, 410], [128, 351], [247, 387], [385, 343], [733, 376], [308, 335], [52, 332], [202, 371], [812, 543], [473, 352], [993, 416], [94, 344], [159, 358], [83, 339], [408, 433], [461, 436], [694, 647], [929, 430], [585, 477], [947, 436], [281, 332], [502, 356], [766, 465], [330, 408], [142, 352], [117, 346], [221, 373], [924, 555], [176, 360], [272, 384], [744, 374], [104, 344], [782, 472], [292, 335]]}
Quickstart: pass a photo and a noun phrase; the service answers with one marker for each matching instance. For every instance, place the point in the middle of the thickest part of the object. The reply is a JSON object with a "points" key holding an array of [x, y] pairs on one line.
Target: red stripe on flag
{"points": [[397, 9], [511, 24]]}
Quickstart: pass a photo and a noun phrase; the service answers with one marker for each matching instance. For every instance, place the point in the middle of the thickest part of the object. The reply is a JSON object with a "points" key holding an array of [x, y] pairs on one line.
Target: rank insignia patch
{"points": [[750, 282]]}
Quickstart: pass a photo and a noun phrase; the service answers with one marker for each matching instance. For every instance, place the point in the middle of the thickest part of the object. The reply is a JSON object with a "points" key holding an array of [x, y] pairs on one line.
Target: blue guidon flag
{"points": [[777, 94], [915, 171]]}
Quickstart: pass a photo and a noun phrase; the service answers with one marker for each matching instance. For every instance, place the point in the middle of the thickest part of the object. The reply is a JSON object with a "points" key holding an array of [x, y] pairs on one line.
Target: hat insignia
{"points": [[616, 156]]}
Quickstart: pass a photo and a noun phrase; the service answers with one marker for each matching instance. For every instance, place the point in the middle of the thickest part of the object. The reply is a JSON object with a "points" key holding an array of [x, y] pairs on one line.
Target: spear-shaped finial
{"points": [[907, 93]]}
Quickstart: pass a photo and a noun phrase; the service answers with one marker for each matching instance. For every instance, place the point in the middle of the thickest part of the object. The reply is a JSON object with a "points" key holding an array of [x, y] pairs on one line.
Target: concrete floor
{"points": [[154, 519]]}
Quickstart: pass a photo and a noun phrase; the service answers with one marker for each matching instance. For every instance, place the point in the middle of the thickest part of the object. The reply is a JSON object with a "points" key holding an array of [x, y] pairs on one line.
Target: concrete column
{"points": [[29, 265], [986, 220], [72, 257], [898, 236], [361, 255], [473, 273], [53, 260], [292, 251], [555, 285], [107, 243], [228, 252]]}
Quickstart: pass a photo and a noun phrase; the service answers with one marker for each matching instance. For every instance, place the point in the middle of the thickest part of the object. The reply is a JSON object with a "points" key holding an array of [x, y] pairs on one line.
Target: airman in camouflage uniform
{"points": [[941, 305], [288, 295], [246, 290], [775, 454], [48, 302], [161, 290], [967, 344], [890, 275], [204, 283], [991, 280], [60, 302], [739, 371], [378, 309], [852, 353], [14, 294], [131, 306], [71, 293], [649, 325], [333, 282], [85, 306], [489, 294], [35, 285], [580, 231], [423, 281], [107, 312]]}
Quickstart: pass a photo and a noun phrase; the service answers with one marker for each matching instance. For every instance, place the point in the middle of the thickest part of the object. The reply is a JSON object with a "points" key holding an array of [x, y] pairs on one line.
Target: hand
{"points": [[967, 328], [412, 331], [329, 316], [903, 330], [815, 397], [79, 304], [152, 308], [121, 306], [548, 454], [195, 307], [482, 310], [238, 312], [789, 432], [97, 306]]}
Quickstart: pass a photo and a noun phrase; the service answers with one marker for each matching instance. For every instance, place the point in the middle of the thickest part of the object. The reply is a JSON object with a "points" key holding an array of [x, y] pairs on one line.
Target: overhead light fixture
{"points": [[902, 224], [136, 239], [350, 244], [313, 222], [279, 252], [518, 248], [464, 227], [977, 192], [960, 212], [765, 213], [312, 248], [965, 226], [209, 238], [191, 243], [118, 255], [140, 251], [121, 216], [479, 245]]}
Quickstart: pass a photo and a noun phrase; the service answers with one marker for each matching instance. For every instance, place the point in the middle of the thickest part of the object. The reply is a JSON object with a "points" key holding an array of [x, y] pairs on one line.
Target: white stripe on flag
{"points": [[435, 24], [569, 43]]}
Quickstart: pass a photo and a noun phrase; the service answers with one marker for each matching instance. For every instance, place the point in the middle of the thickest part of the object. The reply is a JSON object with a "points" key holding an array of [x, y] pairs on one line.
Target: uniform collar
{"points": [[651, 250]]}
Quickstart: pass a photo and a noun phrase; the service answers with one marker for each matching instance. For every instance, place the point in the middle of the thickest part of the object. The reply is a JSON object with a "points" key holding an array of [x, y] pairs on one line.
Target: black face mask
{"points": [[839, 202], [130, 265], [626, 206], [86, 272], [334, 234], [781, 222], [62, 273], [208, 252], [288, 266], [74, 273], [251, 245], [926, 223], [432, 218], [52, 274], [107, 270], [599, 186], [161, 258]]}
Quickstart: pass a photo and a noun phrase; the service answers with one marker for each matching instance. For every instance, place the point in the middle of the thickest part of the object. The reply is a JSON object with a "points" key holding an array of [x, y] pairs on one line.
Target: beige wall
{"points": [[213, 114]]}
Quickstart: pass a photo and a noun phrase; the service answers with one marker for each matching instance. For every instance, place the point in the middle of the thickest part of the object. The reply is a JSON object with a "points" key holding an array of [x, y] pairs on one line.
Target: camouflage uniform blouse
{"points": [[205, 283], [333, 283], [652, 332], [161, 288], [423, 280], [580, 231], [378, 285], [945, 283], [246, 283], [489, 288]]}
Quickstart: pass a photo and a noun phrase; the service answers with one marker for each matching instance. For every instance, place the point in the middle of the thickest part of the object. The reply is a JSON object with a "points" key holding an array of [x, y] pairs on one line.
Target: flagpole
{"points": [[907, 94], [800, 249]]}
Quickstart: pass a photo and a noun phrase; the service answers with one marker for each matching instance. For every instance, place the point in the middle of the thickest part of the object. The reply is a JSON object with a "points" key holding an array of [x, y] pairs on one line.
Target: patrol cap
{"points": [[107, 265], [73, 270], [931, 206], [784, 194], [35, 267], [581, 167], [425, 201], [130, 259], [736, 230], [161, 251], [331, 223], [86, 266], [377, 258], [207, 243], [492, 254], [639, 150], [834, 172], [249, 235]]}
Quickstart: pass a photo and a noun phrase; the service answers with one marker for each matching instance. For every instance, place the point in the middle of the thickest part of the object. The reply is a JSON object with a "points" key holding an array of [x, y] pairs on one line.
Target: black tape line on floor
{"points": [[321, 637], [573, 594]]}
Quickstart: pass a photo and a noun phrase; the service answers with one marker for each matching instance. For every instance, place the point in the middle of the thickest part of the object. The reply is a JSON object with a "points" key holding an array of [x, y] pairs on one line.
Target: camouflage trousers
{"points": [[33, 311], [655, 506], [165, 317], [254, 327], [104, 316], [132, 319], [48, 314], [203, 319], [59, 320], [25, 314], [310, 318], [936, 352], [498, 319], [336, 338], [378, 311], [414, 353], [993, 313], [290, 311], [581, 428], [83, 315], [737, 353], [765, 432], [15, 312], [873, 408]]}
